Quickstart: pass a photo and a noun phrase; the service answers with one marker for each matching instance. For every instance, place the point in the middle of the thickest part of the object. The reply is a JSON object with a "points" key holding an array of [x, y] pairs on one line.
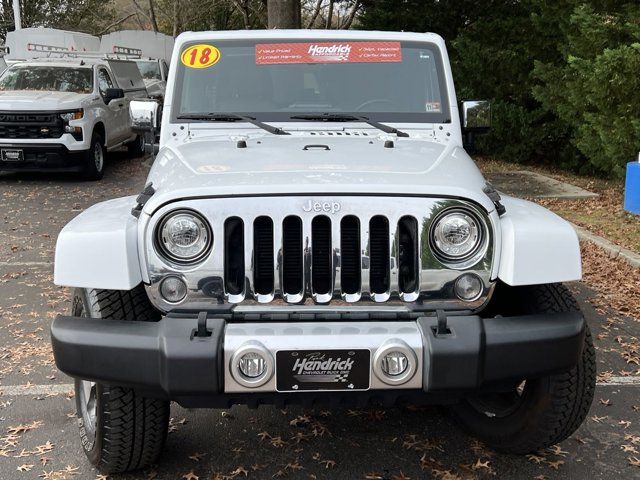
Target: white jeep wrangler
{"points": [[313, 231], [66, 113]]}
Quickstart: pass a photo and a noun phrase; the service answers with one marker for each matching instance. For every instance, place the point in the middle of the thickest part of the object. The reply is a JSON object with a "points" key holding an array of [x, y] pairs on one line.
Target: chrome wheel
{"points": [[87, 402], [98, 156]]}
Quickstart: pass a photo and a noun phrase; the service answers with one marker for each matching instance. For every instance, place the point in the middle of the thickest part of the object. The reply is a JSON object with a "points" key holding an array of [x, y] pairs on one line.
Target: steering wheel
{"points": [[374, 101]]}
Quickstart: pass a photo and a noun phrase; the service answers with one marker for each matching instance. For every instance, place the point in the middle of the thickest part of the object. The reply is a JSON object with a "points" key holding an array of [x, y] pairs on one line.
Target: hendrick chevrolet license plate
{"points": [[11, 155], [303, 370]]}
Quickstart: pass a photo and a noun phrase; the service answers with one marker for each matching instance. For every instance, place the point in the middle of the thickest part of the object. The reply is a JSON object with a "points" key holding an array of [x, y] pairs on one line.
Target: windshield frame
{"points": [[443, 117], [24, 65]]}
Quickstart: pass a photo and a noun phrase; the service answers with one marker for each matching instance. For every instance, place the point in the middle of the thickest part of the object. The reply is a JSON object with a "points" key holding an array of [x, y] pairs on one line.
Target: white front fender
{"points": [[537, 246], [99, 248]]}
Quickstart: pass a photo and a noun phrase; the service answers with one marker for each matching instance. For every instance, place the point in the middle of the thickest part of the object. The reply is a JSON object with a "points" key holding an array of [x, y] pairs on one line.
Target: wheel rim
{"points": [[98, 156], [500, 405], [86, 391], [88, 400]]}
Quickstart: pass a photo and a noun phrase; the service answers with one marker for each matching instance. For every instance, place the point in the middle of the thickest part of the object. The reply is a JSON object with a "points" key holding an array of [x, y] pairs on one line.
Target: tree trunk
{"points": [[314, 16], [152, 14], [176, 18], [283, 13], [352, 14], [329, 15]]}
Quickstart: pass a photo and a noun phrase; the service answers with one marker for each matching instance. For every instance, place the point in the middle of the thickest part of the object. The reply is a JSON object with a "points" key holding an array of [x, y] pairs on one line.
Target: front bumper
{"points": [[43, 157], [169, 359]]}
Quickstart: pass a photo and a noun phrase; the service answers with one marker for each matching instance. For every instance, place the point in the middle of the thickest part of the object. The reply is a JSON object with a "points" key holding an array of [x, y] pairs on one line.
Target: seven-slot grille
{"points": [[320, 256], [30, 125]]}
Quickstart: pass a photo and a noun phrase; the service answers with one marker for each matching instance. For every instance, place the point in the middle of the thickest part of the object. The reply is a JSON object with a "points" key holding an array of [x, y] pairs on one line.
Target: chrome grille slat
{"points": [[365, 260]]}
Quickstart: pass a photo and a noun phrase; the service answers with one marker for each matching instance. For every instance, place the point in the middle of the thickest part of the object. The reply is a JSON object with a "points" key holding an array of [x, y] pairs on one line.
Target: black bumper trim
{"points": [[44, 157], [164, 356], [481, 351], [167, 358]]}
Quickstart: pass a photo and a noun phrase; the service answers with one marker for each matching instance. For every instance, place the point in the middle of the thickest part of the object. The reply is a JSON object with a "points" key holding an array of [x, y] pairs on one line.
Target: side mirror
{"points": [[145, 120], [143, 115], [476, 116], [113, 94]]}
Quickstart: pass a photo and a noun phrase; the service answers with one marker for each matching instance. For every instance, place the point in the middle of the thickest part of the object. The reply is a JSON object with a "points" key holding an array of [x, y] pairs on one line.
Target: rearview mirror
{"points": [[113, 94], [476, 115]]}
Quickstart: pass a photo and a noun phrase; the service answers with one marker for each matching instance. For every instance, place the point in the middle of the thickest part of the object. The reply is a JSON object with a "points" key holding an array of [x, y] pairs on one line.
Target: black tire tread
{"points": [[134, 427], [569, 394]]}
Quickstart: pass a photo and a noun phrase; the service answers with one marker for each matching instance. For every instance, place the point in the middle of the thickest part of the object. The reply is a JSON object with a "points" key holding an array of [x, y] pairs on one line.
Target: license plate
{"points": [[11, 155], [303, 370]]}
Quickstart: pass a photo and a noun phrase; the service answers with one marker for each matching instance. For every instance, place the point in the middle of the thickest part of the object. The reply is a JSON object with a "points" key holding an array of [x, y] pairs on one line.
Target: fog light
{"points": [[173, 289], [394, 363], [468, 287], [252, 364]]}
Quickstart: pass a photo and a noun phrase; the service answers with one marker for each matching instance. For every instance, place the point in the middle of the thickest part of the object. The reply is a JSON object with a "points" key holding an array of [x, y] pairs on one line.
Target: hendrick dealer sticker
{"points": [[302, 370], [328, 52]]}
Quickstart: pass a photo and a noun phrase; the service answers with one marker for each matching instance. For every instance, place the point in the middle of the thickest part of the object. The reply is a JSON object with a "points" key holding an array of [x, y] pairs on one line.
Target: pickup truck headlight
{"points": [[73, 115], [184, 236], [456, 235], [68, 117]]}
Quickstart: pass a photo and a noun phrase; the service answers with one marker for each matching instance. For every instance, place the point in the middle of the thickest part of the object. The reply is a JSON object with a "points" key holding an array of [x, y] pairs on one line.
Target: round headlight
{"points": [[456, 235], [184, 236]]}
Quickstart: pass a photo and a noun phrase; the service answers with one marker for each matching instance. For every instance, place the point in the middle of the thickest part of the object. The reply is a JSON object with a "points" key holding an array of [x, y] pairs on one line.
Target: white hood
{"points": [[34, 100], [308, 165]]}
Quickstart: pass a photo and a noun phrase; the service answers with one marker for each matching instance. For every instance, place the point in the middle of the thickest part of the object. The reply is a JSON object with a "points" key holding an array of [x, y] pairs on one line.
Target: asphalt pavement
{"points": [[38, 431]]}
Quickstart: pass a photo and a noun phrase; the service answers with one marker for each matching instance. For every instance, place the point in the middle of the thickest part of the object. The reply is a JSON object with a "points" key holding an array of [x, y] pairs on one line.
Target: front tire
{"points": [[540, 412], [136, 147], [94, 158], [120, 429]]}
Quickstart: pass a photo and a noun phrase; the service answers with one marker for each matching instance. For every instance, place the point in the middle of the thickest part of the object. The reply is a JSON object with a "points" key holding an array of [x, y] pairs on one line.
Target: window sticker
{"points": [[332, 52], [200, 56], [433, 107]]}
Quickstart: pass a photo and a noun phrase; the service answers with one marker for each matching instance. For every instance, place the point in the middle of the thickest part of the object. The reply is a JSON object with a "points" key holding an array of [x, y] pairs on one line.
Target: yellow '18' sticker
{"points": [[200, 56]]}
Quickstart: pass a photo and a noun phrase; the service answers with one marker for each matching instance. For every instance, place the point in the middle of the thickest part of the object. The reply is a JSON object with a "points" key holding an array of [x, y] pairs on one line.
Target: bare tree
{"points": [[314, 15], [329, 14], [348, 19], [283, 13], [243, 7], [115, 24], [152, 15]]}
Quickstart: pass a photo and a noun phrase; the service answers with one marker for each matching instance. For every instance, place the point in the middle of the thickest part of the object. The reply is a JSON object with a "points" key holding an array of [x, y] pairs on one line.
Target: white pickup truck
{"points": [[66, 113]]}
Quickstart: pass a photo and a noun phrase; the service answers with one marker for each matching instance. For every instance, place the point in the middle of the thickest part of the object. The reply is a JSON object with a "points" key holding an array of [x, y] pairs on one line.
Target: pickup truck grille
{"points": [[277, 249], [31, 125]]}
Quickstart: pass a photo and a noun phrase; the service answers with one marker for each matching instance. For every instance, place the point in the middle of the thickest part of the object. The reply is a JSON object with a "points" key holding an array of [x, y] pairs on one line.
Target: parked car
{"points": [[312, 231], [3, 64], [66, 113]]}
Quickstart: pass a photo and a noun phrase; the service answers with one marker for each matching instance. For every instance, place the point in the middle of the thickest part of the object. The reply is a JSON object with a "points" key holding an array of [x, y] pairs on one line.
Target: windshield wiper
{"points": [[232, 117], [343, 117]]}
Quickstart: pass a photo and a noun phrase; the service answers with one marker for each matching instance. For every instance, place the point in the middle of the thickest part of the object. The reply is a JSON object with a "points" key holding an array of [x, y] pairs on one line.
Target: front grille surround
{"points": [[266, 282]]}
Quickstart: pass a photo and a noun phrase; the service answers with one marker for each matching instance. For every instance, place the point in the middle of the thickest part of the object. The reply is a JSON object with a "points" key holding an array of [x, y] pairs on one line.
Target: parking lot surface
{"points": [[38, 437]]}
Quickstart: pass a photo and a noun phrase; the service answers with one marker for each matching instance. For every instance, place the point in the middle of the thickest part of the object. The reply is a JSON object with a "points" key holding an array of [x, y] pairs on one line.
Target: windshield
{"points": [[47, 78], [149, 70], [384, 81]]}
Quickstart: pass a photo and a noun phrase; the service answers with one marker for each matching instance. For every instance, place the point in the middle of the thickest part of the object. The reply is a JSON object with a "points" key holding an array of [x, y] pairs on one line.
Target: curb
{"points": [[614, 251]]}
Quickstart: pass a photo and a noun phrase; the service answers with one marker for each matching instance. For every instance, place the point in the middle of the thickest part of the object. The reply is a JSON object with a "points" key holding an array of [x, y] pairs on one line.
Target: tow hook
{"points": [[202, 330]]}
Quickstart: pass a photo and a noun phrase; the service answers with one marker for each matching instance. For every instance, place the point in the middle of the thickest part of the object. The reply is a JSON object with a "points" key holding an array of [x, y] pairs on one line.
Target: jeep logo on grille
{"points": [[327, 207]]}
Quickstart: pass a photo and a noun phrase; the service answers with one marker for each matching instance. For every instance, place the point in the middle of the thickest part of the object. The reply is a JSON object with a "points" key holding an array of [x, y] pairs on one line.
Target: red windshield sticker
{"points": [[336, 52]]}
